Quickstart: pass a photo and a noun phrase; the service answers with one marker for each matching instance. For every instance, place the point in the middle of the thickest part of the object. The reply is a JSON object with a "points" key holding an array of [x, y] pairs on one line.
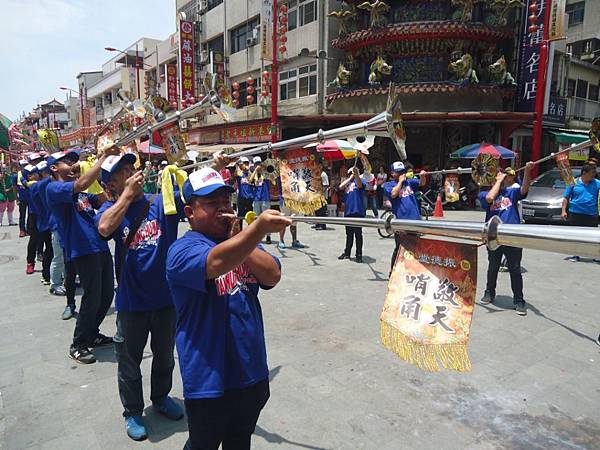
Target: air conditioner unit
{"points": [[255, 33], [204, 57], [250, 41], [203, 5]]}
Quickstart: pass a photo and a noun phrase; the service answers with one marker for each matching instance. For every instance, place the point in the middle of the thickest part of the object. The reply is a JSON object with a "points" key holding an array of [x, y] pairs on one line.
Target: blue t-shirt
{"points": [[261, 190], [45, 220], [245, 189], [503, 206], [404, 206], [143, 283], [74, 214], [583, 199], [30, 203], [354, 205], [220, 336]]}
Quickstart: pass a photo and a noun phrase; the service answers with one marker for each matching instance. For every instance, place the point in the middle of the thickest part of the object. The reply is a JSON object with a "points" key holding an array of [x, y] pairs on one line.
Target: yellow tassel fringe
{"points": [[307, 208], [425, 356]]}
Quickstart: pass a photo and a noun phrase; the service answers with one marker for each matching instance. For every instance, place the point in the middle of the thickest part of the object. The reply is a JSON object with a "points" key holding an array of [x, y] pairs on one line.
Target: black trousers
{"points": [[513, 263], [132, 334], [69, 282], [398, 239], [45, 238], [97, 280], [22, 215], [230, 419], [33, 243], [582, 220], [321, 212], [353, 233]]}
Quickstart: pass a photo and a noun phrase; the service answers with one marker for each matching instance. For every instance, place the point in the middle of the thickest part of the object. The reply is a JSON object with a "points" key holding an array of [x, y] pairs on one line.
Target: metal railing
{"points": [[582, 109]]}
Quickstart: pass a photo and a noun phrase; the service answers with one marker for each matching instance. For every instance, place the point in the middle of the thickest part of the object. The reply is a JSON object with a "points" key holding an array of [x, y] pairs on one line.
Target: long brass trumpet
{"points": [[551, 238]]}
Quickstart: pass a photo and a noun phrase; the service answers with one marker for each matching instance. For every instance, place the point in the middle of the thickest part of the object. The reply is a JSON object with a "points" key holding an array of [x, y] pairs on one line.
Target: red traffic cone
{"points": [[438, 211]]}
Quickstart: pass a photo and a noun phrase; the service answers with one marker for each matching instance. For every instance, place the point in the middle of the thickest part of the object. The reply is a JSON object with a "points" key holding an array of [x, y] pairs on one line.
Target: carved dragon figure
{"points": [[466, 13], [499, 73], [501, 9], [379, 69], [342, 80], [344, 16], [378, 10], [463, 68]]}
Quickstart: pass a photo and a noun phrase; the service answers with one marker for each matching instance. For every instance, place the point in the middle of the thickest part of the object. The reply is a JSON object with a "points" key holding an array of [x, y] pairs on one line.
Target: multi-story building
{"points": [[124, 71], [52, 115], [229, 34], [87, 111]]}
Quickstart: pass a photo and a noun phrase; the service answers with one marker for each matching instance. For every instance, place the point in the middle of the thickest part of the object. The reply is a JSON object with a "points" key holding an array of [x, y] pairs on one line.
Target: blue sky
{"points": [[44, 44]]}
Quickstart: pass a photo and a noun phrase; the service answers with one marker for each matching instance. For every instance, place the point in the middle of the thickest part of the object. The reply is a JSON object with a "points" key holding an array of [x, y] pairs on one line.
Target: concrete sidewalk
{"points": [[534, 384]]}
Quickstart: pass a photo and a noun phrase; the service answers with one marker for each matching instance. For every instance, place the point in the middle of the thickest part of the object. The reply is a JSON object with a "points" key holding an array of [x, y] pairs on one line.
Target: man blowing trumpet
{"points": [[215, 272]]}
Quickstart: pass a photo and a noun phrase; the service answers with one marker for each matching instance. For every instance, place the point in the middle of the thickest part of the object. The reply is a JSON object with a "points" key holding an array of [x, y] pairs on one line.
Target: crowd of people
{"points": [[200, 292]]}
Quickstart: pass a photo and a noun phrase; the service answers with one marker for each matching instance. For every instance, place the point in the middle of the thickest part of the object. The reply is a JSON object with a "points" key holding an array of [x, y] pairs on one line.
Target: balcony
{"points": [[582, 110]]}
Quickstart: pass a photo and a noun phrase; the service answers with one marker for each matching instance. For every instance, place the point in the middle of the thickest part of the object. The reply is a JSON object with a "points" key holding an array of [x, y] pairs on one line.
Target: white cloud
{"points": [[46, 43]]}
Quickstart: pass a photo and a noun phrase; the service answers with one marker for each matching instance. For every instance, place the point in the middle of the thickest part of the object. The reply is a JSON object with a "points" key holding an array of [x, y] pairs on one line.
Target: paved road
{"points": [[534, 384]]}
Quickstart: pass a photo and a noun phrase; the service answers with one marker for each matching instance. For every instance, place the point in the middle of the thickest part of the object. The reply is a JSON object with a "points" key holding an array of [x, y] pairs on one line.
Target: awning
{"points": [[569, 138], [148, 149], [210, 149]]}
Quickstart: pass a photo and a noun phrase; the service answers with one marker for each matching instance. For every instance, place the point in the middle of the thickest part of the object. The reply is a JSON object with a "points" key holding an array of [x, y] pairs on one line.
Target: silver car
{"points": [[543, 203]]}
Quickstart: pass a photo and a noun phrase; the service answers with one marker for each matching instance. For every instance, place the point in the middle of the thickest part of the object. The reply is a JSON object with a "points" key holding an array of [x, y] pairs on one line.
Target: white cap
{"points": [[41, 166], [147, 163], [257, 160], [164, 163], [398, 166], [243, 159], [34, 156], [203, 182]]}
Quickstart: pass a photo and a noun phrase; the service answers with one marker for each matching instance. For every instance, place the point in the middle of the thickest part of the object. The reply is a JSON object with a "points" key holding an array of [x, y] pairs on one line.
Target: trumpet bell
{"points": [[271, 169], [485, 169]]}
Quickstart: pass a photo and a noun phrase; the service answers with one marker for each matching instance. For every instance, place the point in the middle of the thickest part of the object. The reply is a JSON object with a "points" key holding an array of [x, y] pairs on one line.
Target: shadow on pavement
{"points": [[579, 334], [274, 438]]}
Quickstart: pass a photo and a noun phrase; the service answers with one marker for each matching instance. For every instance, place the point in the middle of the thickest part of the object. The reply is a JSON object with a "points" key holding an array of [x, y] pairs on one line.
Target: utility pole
{"points": [[274, 78]]}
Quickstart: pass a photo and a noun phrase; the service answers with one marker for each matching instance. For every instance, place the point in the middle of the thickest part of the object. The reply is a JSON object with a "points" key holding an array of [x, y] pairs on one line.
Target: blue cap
{"points": [[112, 163], [55, 157], [203, 182]]}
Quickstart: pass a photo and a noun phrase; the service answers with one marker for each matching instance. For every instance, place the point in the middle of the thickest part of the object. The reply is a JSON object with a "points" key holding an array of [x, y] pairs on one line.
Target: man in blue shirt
{"points": [[580, 201], [142, 234], [22, 199], [74, 212], [502, 201], [30, 177], [262, 194], [401, 191], [215, 272], [245, 193], [37, 192]]}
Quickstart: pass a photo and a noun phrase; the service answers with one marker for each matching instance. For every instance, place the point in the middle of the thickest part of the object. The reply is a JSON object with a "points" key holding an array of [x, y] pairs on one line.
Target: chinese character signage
{"points": [[529, 60], [556, 29], [186, 59], [258, 132], [172, 82], [172, 143], [557, 111], [266, 30], [426, 318], [301, 181]]}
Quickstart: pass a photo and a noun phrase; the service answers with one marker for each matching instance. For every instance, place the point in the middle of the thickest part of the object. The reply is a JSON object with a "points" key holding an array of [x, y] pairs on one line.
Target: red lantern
{"points": [[250, 81], [533, 29], [236, 86], [533, 8], [283, 30], [532, 18], [264, 93], [235, 94], [236, 102], [282, 48], [266, 74], [192, 100], [250, 99], [251, 90], [283, 19], [283, 9], [283, 39]]}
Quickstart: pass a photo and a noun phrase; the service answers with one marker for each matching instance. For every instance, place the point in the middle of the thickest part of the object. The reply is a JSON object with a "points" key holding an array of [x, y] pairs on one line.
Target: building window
{"points": [[299, 82], [301, 12], [570, 88], [582, 88], [210, 4], [216, 45], [240, 35], [593, 93], [575, 12]]}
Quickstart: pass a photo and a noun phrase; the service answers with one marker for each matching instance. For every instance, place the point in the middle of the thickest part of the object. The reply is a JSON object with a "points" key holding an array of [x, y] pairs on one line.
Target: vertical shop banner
{"points": [[452, 188], [426, 318], [556, 29], [171, 83], [529, 59], [301, 181], [172, 143], [266, 30], [186, 59]]}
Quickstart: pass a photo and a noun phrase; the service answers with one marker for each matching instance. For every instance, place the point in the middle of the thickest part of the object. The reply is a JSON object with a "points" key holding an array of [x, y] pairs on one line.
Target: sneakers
{"points": [[520, 308], [298, 244], [22, 234], [45, 281], [487, 298], [344, 256], [359, 259], [68, 313], [268, 241], [281, 245], [82, 355], [168, 408], [30, 268], [135, 427], [59, 291], [575, 258], [101, 341]]}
